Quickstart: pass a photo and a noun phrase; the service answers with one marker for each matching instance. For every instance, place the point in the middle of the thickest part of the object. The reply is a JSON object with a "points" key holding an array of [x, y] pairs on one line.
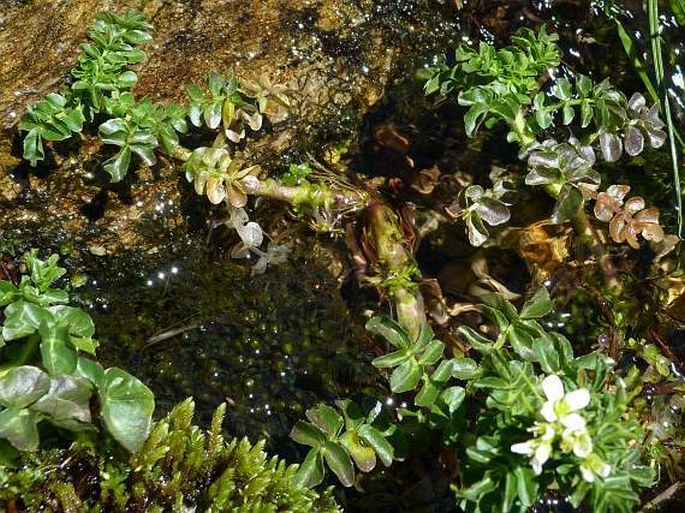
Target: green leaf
{"points": [[22, 319], [546, 355], [563, 347], [8, 293], [308, 434], [493, 382], [354, 416], [390, 360], [19, 428], [375, 439], [67, 403], [479, 489], [127, 407], [464, 368], [389, 330], [537, 306], [326, 418], [586, 113], [477, 341], [117, 166], [444, 371], [521, 339], [339, 462], [311, 470], [22, 386], [510, 491], [115, 131], [568, 204], [562, 89], [432, 85], [87, 345], [568, 114], [453, 397], [91, 370], [33, 147], [146, 151], [432, 353], [406, 376], [364, 457], [474, 117], [527, 485], [58, 355], [427, 395]]}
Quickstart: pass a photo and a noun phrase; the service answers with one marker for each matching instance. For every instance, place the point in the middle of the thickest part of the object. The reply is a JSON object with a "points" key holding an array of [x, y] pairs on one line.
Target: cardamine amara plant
{"points": [[564, 125], [525, 416]]}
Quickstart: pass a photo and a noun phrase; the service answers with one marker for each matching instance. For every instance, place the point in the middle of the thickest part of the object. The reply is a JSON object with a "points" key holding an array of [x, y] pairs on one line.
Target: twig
{"points": [[665, 496]]}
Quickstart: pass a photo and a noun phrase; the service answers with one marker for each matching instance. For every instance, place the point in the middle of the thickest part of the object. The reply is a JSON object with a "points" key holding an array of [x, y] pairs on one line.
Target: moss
{"points": [[180, 468]]}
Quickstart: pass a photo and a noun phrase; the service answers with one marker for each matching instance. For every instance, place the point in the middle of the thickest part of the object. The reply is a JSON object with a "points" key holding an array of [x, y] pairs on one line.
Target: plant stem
{"points": [[310, 195], [393, 257]]}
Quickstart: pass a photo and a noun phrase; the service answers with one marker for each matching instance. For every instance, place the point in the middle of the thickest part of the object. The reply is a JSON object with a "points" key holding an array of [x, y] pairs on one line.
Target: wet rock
{"points": [[337, 57]]}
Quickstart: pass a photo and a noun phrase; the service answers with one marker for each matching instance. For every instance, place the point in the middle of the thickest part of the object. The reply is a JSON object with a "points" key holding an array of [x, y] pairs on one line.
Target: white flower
{"points": [[575, 436], [539, 447], [593, 466], [560, 404]]}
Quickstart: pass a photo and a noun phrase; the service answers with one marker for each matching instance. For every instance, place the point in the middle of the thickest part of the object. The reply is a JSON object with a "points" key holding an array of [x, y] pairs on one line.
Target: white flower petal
{"points": [[525, 448], [578, 399], [553, 388], [605, 470], [588, 475], [582, 447], [542, 454], [547, 432], [547, 412], [573, 422]]}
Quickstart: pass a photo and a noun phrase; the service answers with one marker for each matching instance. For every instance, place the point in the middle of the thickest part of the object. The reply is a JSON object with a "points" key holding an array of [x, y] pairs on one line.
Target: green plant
{"points": [[58, 384], [522, 413], [582, 441], [512, 86], [339, 440], [180, 466]]}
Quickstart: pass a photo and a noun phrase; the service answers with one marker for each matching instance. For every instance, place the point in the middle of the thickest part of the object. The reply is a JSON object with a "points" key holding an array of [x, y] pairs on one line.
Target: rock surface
{"points": [[339, 57]]}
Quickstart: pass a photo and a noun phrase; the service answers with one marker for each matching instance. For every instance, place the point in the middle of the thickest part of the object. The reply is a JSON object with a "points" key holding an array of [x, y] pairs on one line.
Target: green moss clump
{"points": [[181, 468]]}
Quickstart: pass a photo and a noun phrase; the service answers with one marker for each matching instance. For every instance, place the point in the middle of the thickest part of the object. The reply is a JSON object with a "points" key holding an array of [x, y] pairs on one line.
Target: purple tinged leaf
{"points": [[618, 192], [493, 212], [476, 230], [548, 159], [541, 176], [652, 117], [657, 137], [634, 205], [474, 192], [215, 190], [610, 145], [636, 102], [634, 141]]}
